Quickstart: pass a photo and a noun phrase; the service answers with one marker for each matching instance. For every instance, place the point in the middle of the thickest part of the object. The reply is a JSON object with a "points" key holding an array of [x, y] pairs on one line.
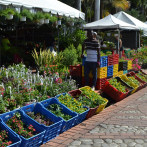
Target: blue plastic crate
{"points": [[66, 124], [16, 141], [103, 61], [125, 72], [51, 131], [34, 141], [110, 71], [82, 116]]}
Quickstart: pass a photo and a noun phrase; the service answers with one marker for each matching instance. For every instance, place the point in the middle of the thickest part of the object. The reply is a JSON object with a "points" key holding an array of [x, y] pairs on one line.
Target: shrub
{"points": [[69, 56]]}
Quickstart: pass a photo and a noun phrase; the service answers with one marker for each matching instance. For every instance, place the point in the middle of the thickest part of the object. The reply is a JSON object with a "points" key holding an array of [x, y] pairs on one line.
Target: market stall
{"points": [[26, 23], [110, 23]]}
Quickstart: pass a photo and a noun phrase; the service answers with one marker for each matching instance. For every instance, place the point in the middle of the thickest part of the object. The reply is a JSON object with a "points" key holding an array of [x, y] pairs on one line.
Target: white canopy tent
{"points": [[53, 6], [146, 22], [110, 22], [131, 20]]}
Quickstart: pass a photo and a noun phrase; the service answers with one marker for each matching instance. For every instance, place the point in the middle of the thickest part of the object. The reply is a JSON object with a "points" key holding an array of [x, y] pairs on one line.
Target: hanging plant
{"points": [[26, 13], [10, 13], [16, 16], [39, 17], [47, 17], [53, 19]]}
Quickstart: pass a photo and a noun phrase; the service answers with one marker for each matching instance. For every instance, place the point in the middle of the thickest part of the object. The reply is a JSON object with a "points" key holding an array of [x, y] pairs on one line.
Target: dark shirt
{"points": [[92, 45], [49, 40]]}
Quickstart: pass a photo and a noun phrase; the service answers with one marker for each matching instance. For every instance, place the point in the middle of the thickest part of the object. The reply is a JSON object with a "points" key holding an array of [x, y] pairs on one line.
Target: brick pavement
{"points": [[124, 120]]}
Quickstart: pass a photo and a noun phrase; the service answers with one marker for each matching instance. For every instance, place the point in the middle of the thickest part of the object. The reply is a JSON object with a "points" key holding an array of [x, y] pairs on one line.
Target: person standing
{"points": [[120, 46], [93, 58], [49, 41]]}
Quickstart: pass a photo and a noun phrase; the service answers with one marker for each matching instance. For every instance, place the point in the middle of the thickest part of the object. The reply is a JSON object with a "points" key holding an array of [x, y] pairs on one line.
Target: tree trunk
{"points": [[97, 10], [101, 10], [78, 5]]}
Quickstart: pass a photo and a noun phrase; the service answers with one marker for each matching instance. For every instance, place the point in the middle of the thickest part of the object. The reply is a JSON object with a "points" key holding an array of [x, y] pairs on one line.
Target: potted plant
{"points": [[25, 13], [39, 17], [108, 33], [47, 17], [54, 19], [3, 15], [59, 20], [10, 13], [16, 17]]}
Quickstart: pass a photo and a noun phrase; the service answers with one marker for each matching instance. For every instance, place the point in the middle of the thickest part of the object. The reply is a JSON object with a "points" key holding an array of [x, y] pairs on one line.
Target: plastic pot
{"points": [[23, 18], [59, 22], [46, 21], [10, 17]]}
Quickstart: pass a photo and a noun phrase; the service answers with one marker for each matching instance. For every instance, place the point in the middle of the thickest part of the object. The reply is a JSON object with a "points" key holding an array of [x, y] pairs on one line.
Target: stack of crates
{"points": [[123, 67], [101, 74], [76, 74], [110, 66], [129, 68], [115, 64]]}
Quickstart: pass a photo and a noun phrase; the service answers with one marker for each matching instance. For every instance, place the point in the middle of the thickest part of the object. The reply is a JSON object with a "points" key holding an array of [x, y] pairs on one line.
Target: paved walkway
{"points": [[123, 124]]}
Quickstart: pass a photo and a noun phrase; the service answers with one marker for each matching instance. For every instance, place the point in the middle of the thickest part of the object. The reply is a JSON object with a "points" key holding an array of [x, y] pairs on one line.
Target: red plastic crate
{"points": [[110, 60], [92, 111], [137, 78], [115, 58], [99, 84], [114, 93], [76, 70]]}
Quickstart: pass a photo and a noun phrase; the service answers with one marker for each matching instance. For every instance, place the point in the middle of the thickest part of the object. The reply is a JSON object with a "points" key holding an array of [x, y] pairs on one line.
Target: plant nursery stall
{"points": [[26, 24]]}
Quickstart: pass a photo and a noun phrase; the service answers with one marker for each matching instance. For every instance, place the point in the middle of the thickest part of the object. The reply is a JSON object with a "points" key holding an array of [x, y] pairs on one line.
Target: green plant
{"points": [[141, 77], [10, 11], [17, 125], [38, 16], [57, 110], [26, 13], [40, 118], [95, 98], [4, 139], [134, 80], [53, 19], [72, 104], [17, 14], [118, 85], [69, 56], [75, 38], [47, 16]]}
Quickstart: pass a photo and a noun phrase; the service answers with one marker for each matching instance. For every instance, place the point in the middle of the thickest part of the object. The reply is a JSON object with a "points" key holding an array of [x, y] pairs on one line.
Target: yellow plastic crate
{"points": [[101, 73], [102, 107], [115, 75], [120, 73], [115, 67], [125, 79], [129, 65]]}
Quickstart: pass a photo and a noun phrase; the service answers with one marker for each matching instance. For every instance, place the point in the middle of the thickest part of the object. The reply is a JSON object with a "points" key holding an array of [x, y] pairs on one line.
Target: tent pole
{"points": [[136, 40], [139, 39], [118, 40], [58, 39]]}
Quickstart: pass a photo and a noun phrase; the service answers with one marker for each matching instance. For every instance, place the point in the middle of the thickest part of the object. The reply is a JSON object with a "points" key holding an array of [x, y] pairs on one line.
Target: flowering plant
{"points": [[17, 125], [4, 139], [95, 98], [40, 118], [72, 103]]}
